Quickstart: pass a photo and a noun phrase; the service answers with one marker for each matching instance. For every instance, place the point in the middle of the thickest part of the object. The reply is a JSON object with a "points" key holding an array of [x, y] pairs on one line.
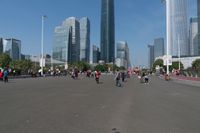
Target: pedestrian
{"points": [[5, 75], [117, 79], [1, 75], [123, 76], [142, 80], [97, 76], [76, 71], [146, 79]]}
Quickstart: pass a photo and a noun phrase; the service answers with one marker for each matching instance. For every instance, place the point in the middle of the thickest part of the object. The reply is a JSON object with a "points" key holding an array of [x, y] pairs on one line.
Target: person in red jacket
{"points": [[1, 75], [97, 76]]}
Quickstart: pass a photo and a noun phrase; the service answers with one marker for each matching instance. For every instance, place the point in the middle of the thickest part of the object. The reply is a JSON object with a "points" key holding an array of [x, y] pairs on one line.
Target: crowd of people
{"points": [[120, 76], [4, 75]]}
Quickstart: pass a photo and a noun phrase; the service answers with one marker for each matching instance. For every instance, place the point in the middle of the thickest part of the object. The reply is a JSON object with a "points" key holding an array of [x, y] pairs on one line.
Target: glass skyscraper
{"points": [[1, 45], [96, 54], [12, 47], [122, 59], [178, 27], [107, 43], [85, 39], [151, 55], [193, 35], [158, 47], [66, 46], [198, 14]]}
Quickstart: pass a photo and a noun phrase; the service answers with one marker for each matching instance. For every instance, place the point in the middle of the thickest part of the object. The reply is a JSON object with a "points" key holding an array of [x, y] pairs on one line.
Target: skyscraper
{"points": [[96, 54], [12, 47], [122, 59], [107, 31], [84, 39], [1, 45], [66, 46], [198, 16], [193, 36], [158, 47], [178, 27], [151, 55]]}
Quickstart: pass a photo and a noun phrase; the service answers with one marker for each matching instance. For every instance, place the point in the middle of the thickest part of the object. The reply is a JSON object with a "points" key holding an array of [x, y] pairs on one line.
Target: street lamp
{"points": [[168, 30], [42, 43]]}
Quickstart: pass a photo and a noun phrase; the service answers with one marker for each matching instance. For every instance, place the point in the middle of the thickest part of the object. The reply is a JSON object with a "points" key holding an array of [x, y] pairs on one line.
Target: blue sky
{"points": [[136, 21]]}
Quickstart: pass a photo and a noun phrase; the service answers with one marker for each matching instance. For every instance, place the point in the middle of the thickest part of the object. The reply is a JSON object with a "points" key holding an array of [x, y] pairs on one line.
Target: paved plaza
{"points": [[64, 105]]}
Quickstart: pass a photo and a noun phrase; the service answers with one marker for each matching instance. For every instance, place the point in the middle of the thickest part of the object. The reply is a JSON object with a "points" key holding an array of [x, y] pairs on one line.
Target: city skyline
{"points": [[133, 24]]}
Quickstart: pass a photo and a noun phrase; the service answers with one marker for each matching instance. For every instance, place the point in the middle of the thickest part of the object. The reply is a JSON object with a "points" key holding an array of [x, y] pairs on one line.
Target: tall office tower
{"points": [[158, 47], [1, 45], [12, 47], [178, 27], [198, 15], [107, 31], [193, 36], [96, 54], [151, 57], [66, 46], [122, 59], [85, 39]]}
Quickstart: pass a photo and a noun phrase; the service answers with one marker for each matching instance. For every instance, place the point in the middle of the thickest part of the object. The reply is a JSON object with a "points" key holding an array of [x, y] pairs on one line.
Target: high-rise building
{"points": [[12, 47], [66, 46], [158, 47], [198, 17], [1, 45], [107, 31], [96, 54], [178, 27], [122, 59], [85, 39], [193, 36], [151, 55]]}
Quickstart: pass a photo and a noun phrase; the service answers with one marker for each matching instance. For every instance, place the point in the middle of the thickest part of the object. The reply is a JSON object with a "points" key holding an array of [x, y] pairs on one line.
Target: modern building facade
{"points": [[150, 55], [107, 42], [178, 27], [12, 47], [1, 45], [66, 46], [122, 59], [85, 39], [159, 47], [96, 54], [198, 17], [193, 37]]}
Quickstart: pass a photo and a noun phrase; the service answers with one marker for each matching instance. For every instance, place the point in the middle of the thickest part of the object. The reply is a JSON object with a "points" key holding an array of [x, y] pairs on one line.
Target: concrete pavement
{"points": [[63, 105]]}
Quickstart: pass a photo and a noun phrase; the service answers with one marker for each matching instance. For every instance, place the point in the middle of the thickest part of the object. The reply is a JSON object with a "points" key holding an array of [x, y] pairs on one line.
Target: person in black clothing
{"points": [[123, 76]]}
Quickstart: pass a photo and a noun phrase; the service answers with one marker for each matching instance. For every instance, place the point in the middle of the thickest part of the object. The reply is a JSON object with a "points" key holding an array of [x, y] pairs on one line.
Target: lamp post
{"points": [[168, 30], [179, 54], [42, 44]]}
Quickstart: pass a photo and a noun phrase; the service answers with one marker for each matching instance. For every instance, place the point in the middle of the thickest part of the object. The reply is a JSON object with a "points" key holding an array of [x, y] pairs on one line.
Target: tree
{"points": [[175, 65], [23, 65], [81, 65], [196, 64], [158, 62], [101, 68], [5, 60]]}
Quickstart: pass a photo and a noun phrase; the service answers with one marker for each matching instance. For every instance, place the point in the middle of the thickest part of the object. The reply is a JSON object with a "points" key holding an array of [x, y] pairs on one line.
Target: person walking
{"points": [[5, 76], [123, 76], [1, 75], [97, 76], [117, 79], [146, 79]]}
